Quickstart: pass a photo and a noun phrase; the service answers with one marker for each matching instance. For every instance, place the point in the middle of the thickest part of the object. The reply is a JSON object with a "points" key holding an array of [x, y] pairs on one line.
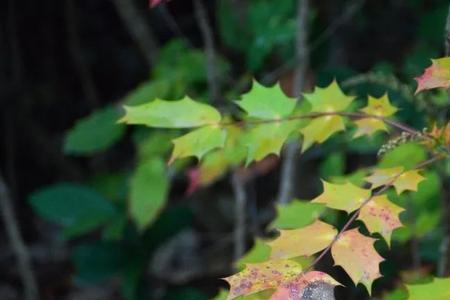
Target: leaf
{"points": [[328, 99], [408, 180], [435, 76], [94, 133], [406, 155], [355, 253], [438, 289], [345, 196], [148, 191], [382, 216], [320, 129], [77, 207], [184, 113], [298, 288], [258, 253], [297, 214], [441, 136], [269, 138], [198, 142], [302, 242], [262, 276], [380, 107], [368, 126], [269, 103]]}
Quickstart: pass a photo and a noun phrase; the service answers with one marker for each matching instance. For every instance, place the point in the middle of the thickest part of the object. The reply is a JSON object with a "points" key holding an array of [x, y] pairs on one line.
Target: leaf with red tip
{"points": [[355, 253], [346, 196], [296, 288], [291, 243], [435, 76], [381, 215]]}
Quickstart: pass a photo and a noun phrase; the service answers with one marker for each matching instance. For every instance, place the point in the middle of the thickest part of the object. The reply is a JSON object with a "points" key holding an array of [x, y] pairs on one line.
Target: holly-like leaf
{"points": [[435, 76], [401, 180], [297, 214], [380, 107], [184, 113], [345, 196], [325, 100], [302, 242], [262, 276], [382, 216], [148, 192], [198, 142], [355, 253], [437, 289], [268, 138], [303, 285], [269, 103], [441, 136]]}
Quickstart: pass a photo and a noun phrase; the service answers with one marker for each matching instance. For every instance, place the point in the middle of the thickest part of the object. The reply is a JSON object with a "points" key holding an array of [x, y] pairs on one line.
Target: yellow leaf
{"points": [[346, 196], [408, 181], [382, 216], [328, 99], [320, 129], [355, 253], [368, 126], [304, 241], [401, 180], [380, 107], [382, 177]]}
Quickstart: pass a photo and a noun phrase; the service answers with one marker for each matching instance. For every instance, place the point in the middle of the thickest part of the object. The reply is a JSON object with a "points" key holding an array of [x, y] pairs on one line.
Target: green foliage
{"points": [[437, 289], [94, 133]]}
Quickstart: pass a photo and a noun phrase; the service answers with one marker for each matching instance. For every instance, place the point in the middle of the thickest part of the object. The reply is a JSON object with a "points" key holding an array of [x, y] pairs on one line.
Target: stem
{"points": [[239, 212], [15, 238], [356, 213]]}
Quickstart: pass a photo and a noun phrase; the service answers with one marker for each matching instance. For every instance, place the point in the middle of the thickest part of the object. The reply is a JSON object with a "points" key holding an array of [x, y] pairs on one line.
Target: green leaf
{"points": [[297, 214], [438, 289], [258, 253], [320, 129], [94, 133], [268, 138], [406, 155], [78, 208], [198, 142], [148, 191], [184, 113], [269, 103], [328, 99]]}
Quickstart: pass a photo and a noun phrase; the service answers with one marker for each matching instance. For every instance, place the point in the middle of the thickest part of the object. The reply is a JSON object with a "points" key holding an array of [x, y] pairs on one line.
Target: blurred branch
{"points": [[211, 60], [240, 197], [75, 50], [288, 168], [139, 30], [12, 229], [172, 24]]}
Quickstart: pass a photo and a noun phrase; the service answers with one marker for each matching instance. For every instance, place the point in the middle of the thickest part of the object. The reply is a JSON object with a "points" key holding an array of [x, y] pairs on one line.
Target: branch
{"points": [[356, 213], [239, 212], [210, 51], [137, 27], [12, 229]]}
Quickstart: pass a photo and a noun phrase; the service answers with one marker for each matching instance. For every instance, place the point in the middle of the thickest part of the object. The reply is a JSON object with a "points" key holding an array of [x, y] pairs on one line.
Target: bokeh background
{"points": [[68, 66]]}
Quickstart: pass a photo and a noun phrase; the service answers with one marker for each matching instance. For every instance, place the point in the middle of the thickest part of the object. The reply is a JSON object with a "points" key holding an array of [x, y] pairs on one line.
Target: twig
{"points": [[356, 213], [239, 211], [210, 51], [289, 165], [12, 229], [138, 30]]}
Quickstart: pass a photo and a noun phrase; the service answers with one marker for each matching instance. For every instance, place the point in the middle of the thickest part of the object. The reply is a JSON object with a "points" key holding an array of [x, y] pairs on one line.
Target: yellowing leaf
{"points": [[198, 142], [320, 129], [268, 138], [297, 288], [262, 276], [302, 242], [346, 196], [441, 136], [438, 289], [382, 177], [381, 215], [267, 103], [328, 99], [380, 107], [435, 76], [355, 253], [183, 113], [408, 181]]}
